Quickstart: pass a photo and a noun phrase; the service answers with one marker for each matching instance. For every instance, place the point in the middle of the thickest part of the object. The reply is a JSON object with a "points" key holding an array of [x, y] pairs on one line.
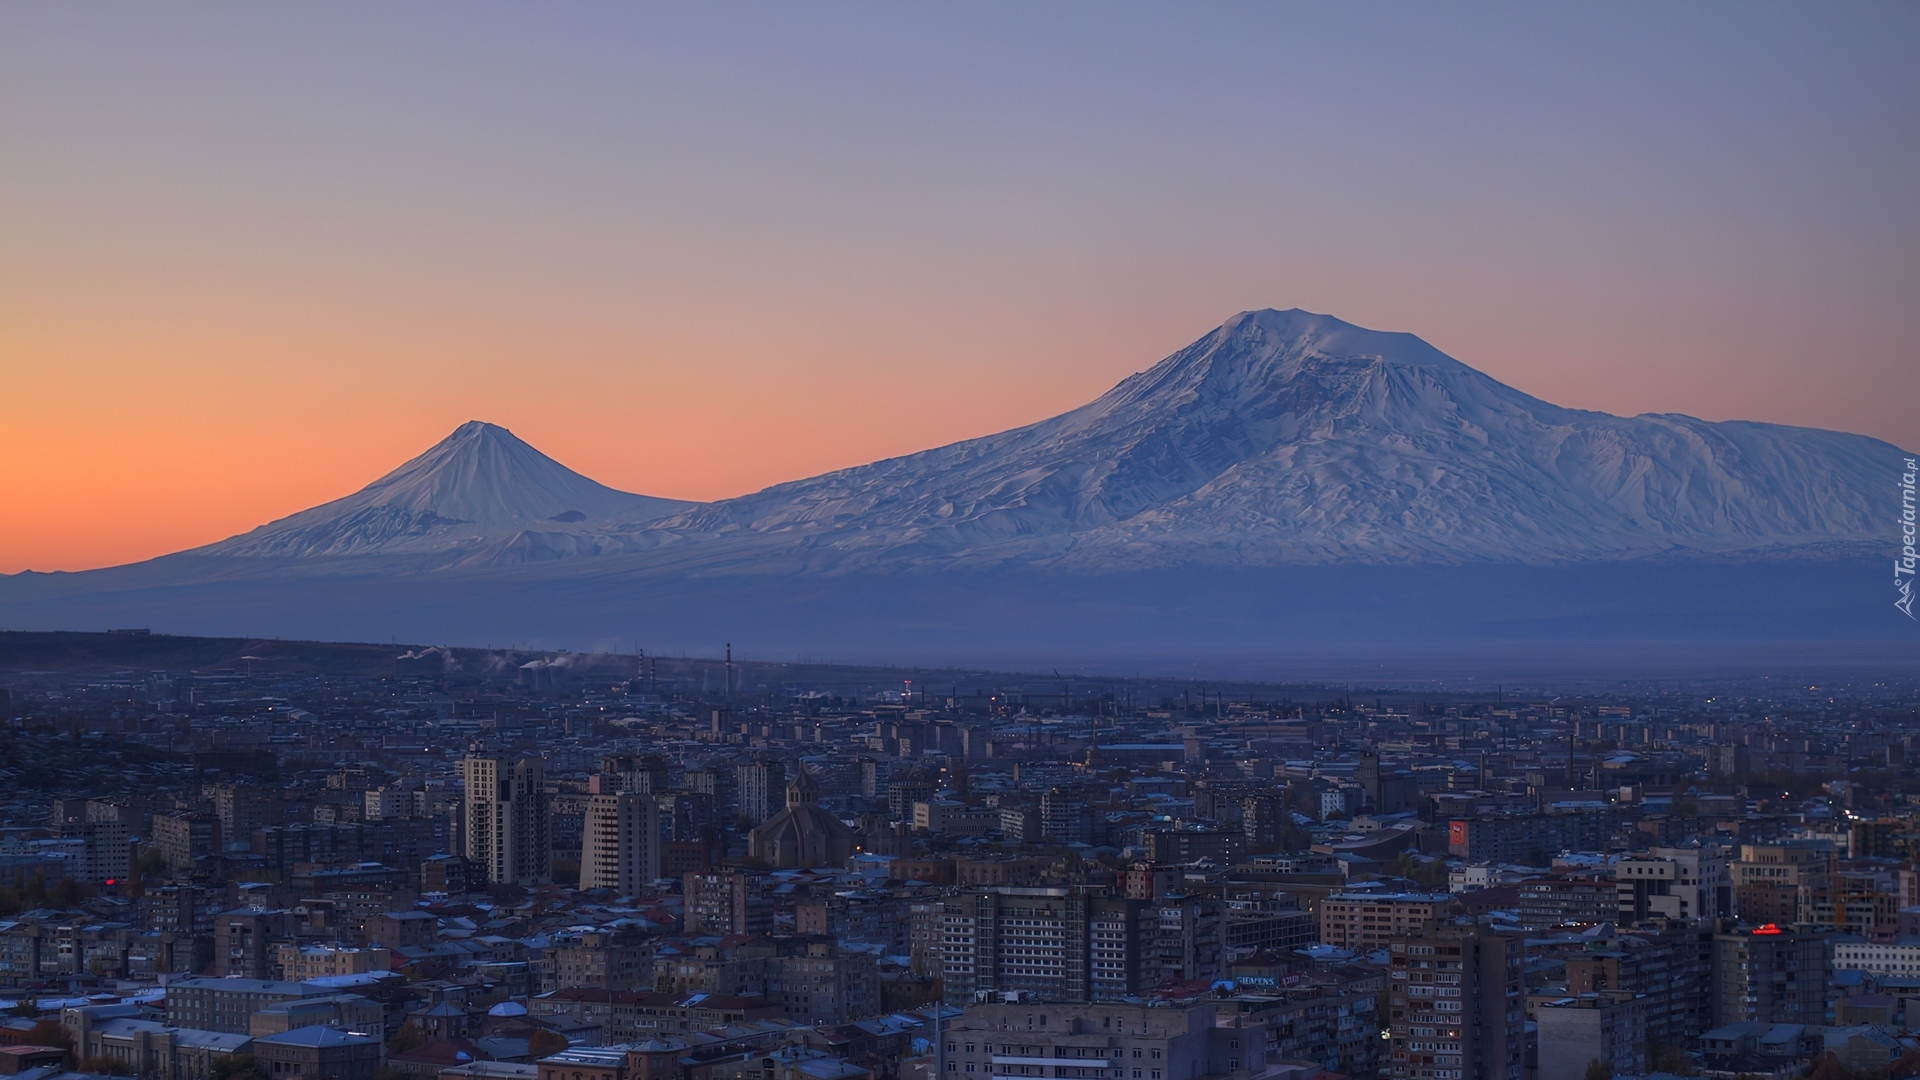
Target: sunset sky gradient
{"points": [[253, 256]]}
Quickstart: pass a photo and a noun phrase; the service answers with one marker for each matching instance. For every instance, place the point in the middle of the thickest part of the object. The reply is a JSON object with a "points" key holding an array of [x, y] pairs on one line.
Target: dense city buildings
{"points": [[442, 865]]}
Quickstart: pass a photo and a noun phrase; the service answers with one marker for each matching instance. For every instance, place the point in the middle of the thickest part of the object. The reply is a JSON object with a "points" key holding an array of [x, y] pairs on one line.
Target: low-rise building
{"points": [[317, 1053], [1576, 1031], [348, 1012], [228, 1005], [147, 1047], [1890, 959], [1364, 920], [301, 962]]}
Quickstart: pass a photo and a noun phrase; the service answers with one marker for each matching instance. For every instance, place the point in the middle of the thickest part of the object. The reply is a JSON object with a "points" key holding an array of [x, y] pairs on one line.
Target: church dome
{"points": [[802, 835]]}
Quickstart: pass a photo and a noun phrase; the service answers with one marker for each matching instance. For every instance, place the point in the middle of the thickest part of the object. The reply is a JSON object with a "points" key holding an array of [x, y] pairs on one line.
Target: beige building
{"points": [[1368, 921], [1767, 878], [1675, 883], [1610, 1028], [1088, 1042], [149, 1048], [299, 963], [620, 843], [505, 821]]}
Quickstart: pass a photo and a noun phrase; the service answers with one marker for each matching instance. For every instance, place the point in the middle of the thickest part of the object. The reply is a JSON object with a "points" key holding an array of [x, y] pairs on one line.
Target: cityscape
{"points": [[363, 862]]}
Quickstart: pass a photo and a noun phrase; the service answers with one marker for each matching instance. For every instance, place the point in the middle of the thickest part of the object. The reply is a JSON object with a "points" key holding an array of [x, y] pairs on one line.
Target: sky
{"points": [[253, 256]]}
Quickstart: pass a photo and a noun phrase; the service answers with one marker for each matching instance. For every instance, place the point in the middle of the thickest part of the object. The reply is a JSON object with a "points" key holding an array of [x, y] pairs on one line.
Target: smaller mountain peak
{"points": [[480, 429]]}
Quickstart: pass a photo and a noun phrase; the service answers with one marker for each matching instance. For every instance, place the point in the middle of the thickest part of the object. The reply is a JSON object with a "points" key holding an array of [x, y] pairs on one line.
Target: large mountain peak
{"points": [[1294, 437], [1268, 366], [1271, 332], [480, 485]]}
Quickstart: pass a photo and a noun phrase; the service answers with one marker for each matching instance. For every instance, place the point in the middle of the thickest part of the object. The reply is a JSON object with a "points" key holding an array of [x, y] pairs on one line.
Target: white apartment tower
{"points": [[1694, 882], [505, 819], [762, 788], [620, 842]]}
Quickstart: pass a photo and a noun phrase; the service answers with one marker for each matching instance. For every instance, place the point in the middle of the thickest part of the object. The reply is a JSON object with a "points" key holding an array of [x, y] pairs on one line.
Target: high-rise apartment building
{"points": [[903, 791], [1694, 882], [1576, 1031], [762, 787], [106, 854], [1189, 940], [1455, 1006], [1771, 975], [104, 830], [1668, 973], [716, 782], [620, 843], [1023, 939], [185, 839], [241, 808], [873, 779], [1066, 817], [1767, 878], [1122, 946], [507, 831], [244, 940], [721, 902], [1062, 943]]}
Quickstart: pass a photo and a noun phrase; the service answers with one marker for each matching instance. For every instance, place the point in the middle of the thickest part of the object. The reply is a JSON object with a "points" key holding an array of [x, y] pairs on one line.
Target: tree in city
{"points": [[235, 1067], [404, 1040], [1598, 1070], [1669, 1057], [50, 1033], [544, 1043], [152, 864], [1830, 1068]]}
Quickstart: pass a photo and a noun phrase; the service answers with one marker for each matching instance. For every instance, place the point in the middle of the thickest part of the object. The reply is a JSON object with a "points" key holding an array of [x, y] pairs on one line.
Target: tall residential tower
{"points": [[505, 817]]}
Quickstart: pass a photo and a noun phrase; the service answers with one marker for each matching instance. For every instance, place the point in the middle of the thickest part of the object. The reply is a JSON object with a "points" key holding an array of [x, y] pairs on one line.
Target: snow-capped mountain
{"points": [[1287, 478], [480, 494], [1285, 437]]}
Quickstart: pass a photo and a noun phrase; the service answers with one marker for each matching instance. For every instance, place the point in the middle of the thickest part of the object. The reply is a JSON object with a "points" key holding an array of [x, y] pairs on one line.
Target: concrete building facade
{"points": [[621, 843], [505, 819]]}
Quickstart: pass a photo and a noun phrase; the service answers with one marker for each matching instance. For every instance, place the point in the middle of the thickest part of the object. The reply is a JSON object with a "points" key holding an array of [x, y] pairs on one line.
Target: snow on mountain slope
{"points": [[481, 494], [1281, 438], [1286, 437]]}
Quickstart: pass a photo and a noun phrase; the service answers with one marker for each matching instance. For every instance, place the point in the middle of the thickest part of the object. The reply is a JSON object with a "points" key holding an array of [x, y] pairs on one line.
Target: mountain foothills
{"points": [[1281, 465]]}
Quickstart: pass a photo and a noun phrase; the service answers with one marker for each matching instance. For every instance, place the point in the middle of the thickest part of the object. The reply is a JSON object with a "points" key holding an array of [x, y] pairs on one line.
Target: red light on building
{"points": [[1767, 928]]}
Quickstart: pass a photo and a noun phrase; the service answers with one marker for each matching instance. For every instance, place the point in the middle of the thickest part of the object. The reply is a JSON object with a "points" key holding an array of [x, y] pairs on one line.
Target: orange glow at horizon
{"points": [[251, 262], [143, 461]]}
